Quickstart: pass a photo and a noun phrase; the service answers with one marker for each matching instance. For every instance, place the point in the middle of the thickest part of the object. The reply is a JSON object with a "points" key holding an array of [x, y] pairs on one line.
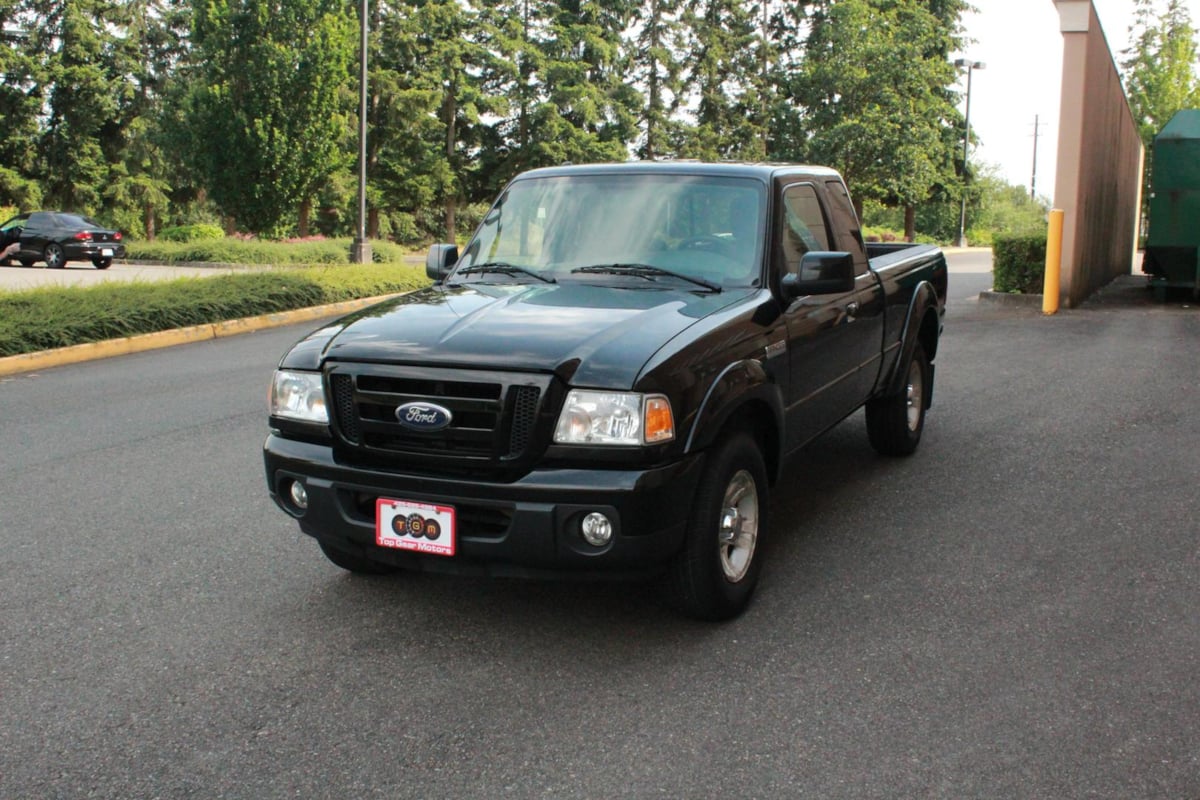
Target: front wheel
{"points": [[353, 563], [54, 256], [715, 574], [895, 421], [102, 263]]}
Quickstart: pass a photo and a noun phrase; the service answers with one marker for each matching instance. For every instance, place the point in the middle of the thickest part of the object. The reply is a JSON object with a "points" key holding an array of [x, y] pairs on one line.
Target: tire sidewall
{"points": [[713, 595]]}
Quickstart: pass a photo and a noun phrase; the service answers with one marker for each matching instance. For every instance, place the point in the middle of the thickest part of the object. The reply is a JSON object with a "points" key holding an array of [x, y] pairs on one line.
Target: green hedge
{"points": [[41, 319], [1019, 263], [191, 233], [252, 251]]}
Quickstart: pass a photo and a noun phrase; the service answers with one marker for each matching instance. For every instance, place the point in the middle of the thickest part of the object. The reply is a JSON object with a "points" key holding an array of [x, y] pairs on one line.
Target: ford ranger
{"points": [[607, 379]]}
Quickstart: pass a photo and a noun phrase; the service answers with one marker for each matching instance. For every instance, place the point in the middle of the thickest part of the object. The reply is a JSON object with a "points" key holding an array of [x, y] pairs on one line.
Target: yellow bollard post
{"points": [[1054, 241]]}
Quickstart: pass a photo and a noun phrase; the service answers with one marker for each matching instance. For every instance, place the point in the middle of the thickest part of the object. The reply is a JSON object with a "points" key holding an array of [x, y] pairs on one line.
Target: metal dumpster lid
{"points": [[1184, 125]]}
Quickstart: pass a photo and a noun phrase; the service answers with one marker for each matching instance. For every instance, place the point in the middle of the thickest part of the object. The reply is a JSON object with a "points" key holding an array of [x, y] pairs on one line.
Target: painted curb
{"points": [[75, 354]]}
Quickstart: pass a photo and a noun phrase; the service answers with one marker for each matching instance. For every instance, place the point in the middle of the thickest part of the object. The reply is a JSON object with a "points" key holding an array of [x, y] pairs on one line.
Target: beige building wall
{"points": [[1100, 155]]}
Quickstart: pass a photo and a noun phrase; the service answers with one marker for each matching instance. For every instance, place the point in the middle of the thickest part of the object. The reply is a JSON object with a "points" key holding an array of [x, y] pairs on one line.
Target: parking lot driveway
{"points": [[1010, 613]]}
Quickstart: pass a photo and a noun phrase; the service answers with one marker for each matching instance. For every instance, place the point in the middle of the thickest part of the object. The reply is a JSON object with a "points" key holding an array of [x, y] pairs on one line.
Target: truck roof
{"points": [[762, 171]]}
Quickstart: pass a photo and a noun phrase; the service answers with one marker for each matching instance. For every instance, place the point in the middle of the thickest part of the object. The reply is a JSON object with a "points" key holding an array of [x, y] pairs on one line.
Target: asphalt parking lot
{"points": [[1010, 613]]}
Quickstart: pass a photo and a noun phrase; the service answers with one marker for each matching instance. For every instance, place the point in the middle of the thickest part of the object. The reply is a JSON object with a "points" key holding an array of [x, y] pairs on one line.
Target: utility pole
{"points": [[1037, 128]]}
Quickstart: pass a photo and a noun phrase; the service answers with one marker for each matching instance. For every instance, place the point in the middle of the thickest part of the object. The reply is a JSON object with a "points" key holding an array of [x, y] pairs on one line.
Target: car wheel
{"points": [[352, 563], [895, 421], [102, 263], [715, 573], [54, 256]]}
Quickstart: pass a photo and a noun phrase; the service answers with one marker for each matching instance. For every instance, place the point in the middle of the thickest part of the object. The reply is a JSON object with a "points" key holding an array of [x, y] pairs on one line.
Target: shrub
{"points": [[1019, 263], [191, 233]]}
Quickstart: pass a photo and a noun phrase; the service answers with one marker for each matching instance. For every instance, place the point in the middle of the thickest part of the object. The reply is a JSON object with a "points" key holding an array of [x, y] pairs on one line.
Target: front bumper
{"points": [[530, 527]]}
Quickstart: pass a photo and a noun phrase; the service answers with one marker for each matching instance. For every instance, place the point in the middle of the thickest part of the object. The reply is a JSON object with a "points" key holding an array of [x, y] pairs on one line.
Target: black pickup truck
{"points": [[607, 379]]}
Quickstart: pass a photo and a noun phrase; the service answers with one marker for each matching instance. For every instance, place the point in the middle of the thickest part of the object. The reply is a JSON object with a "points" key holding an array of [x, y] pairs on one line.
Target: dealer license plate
{"points": [[420, 527], [107, 251]]}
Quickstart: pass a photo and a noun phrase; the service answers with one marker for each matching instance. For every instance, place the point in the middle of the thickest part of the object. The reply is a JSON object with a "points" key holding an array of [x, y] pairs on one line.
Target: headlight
{"points": [[299, 395], [620, 418]]}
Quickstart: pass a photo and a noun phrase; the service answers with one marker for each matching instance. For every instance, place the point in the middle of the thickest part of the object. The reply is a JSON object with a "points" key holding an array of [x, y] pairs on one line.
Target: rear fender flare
{"points": [[924, 302], [741, 386]]}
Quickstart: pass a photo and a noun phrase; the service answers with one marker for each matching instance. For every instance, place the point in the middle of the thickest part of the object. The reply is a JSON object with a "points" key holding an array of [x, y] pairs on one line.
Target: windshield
{"points": [[697, 227]]}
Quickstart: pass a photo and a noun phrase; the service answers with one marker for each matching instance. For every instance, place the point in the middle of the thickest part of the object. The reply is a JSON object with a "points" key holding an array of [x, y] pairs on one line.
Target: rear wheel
{"points": [[102, 263], [54, 256], [715, 574], [895, 422], [353, 563]]}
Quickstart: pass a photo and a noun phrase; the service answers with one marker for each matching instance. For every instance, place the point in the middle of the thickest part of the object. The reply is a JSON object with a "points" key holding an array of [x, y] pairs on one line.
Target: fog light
{"points": [[597, 529], [299, 495]]}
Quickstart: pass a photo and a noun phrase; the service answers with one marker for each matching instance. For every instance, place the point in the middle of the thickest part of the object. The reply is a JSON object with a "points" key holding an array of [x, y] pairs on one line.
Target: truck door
{"points": [[829, 336]]}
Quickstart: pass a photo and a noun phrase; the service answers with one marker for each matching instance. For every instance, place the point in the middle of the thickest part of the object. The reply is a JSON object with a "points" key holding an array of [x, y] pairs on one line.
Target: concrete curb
{"points": [[30, 362], [1011, 300]]}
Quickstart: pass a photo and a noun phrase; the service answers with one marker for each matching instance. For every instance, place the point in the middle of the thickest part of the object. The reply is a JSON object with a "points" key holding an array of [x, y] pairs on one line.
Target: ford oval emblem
{"points": [[425, 417]]}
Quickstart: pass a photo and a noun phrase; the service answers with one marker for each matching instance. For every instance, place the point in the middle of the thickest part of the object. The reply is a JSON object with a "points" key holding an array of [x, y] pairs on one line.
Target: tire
{"points": [[715, 573], [352, 563], [895, 421], [102, 263], [54, 256]]}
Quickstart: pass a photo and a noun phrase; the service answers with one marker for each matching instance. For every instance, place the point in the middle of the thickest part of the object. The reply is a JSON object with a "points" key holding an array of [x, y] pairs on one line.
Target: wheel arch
{"points": [[922, 325], [742, 397]]}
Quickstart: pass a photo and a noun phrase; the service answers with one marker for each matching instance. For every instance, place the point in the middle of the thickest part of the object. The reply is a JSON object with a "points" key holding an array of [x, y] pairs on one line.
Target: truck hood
{"points": [[587, 334]]}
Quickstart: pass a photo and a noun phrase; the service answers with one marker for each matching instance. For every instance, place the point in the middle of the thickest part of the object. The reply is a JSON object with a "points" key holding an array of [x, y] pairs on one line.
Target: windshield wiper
{"points": [[648, 271], [503, 269]]}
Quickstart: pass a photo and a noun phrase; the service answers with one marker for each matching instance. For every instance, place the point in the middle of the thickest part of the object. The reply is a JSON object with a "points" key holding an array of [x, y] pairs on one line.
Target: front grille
{"points": [[493, 415]]}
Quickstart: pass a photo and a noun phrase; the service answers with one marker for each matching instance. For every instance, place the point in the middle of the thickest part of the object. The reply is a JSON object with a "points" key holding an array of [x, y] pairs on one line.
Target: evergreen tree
{"points": [[20, 100], [268, 110], [722, 71], [656, 64], [84, 89]]}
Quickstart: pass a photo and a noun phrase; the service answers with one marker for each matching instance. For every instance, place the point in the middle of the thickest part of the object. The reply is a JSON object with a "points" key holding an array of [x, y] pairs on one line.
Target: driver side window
{"points": [[803, 227]]}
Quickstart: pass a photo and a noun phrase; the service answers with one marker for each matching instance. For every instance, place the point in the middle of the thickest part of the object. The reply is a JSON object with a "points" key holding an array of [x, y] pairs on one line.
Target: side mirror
{"points": [[821, 273], [440, 260]]}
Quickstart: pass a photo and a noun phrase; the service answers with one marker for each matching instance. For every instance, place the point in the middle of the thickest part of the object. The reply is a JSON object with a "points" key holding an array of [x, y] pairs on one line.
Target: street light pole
{"points": [[962, 220], [361, 252]]}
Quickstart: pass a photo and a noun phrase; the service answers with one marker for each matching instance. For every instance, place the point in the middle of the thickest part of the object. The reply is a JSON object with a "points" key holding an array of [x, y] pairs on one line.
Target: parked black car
{"points": [[57, 237]]}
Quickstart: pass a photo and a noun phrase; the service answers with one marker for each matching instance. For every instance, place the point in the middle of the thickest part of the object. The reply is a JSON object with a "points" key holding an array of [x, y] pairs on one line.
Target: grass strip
{"points": [[45, 318]]}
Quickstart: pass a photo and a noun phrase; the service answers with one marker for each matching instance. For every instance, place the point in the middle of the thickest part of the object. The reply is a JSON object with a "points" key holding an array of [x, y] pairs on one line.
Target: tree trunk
{"points": [[149, 222], [450, 221], [305, 213], [910, 223], [372, 223], [230, 226]]}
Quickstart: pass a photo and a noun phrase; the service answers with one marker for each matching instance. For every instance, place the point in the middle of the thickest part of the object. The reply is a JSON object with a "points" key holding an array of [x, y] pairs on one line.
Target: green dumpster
{"points": [[1172, 257]]}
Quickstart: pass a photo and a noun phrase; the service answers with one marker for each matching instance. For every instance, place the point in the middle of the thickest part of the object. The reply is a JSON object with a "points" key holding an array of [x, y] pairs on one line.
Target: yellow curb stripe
{"points": [[31, 362]]}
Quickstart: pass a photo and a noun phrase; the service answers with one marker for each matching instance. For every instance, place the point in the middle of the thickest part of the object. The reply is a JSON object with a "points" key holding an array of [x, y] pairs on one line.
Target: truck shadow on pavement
{"points": [[812, 491]]}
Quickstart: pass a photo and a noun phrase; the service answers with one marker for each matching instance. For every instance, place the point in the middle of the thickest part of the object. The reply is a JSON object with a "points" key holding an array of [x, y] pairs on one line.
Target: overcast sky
{"points": [[1021, 45]]}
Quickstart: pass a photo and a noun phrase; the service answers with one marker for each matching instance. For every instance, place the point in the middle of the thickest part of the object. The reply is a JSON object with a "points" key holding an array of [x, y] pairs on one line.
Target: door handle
{"points": [[852, 309]]}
